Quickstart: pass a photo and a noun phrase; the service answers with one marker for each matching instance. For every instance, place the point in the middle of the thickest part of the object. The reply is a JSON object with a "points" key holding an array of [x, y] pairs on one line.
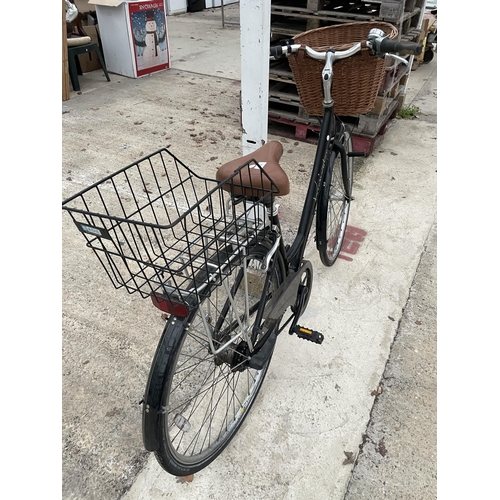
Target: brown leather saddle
{"points": [[251, 179]]}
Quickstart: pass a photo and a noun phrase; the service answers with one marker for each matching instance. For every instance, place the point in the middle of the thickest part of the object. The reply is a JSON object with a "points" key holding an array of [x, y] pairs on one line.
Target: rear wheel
{"points": [[206, 396], [334, 203]]}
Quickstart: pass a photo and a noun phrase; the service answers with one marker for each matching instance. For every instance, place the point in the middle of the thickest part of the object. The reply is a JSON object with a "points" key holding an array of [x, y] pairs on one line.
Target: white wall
{"points": [[178, 6]]}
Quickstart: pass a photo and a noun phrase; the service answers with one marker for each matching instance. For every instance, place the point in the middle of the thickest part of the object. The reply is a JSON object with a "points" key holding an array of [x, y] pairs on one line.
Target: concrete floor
{"points": [[321, 428]]}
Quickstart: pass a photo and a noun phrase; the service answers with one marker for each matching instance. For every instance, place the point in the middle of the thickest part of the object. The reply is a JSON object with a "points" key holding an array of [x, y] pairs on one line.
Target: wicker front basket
{"points": [[356, 80]]}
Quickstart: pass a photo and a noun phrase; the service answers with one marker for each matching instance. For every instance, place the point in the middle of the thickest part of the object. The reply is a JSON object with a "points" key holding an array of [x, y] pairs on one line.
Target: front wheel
{"points": [[334, 203], [205, 396]]}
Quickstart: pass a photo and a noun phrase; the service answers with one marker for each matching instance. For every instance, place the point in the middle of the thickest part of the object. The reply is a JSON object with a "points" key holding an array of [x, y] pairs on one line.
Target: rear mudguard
{"points": [[169, 342], [151, 409]]}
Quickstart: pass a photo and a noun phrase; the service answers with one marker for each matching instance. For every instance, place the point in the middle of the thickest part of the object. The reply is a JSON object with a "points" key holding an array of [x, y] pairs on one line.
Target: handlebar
{"points": [[379, 45], [278, 51], [387, 46]]}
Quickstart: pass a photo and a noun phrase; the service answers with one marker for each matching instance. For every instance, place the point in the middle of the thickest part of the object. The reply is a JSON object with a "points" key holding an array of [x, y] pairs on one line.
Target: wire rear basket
{"points": [[161, 230], [356, 80]]}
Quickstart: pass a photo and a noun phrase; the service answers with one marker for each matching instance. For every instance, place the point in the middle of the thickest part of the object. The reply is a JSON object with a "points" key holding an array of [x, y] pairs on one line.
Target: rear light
{"points": [[169, 306]]}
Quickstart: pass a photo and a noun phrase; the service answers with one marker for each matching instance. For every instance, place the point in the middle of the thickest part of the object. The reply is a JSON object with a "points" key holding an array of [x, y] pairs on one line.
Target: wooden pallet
{"points": [[413, 35], [371, 124], [284, 93], [382, 102], [368, 143], [289, 127], [344, 11], [284, 102], [362, 7], [279, 71], [393, 75], [287, 124], [367, 135]]}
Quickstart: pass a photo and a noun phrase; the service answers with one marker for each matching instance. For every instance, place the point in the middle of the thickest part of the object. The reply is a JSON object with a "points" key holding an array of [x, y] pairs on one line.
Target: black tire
{"points": [[333, 204], [428, 55], [206, 397]]}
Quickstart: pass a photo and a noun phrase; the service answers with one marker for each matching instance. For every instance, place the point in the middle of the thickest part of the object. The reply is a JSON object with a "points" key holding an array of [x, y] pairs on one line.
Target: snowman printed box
{"points": [[149, 36], [134, 36]]}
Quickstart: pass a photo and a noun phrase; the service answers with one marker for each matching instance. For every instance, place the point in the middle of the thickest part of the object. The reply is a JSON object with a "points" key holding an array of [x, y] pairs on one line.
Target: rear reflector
{"points": [[169, 306]]}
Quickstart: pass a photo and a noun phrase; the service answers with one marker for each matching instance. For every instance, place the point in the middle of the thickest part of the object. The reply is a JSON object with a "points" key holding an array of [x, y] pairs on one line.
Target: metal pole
{"points": [[255, 31]]}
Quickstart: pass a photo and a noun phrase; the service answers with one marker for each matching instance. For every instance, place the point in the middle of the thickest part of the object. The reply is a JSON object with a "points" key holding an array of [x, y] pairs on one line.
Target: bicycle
{"points": [[209, 253]]}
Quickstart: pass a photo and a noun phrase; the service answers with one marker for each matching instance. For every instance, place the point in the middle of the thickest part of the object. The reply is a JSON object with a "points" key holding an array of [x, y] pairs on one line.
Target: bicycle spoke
{"points": [[209, 394], [214, 401], [333, 207], [211, 411]]}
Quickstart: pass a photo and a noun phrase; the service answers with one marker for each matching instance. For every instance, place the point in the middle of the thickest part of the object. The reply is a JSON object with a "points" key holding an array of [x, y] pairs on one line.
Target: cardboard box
{"points": [[134, 36], [90, 61], [83, 5]]}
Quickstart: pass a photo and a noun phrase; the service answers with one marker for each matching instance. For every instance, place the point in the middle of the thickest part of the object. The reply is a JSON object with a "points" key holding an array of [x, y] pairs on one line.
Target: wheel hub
{"points": [[240, 357]]}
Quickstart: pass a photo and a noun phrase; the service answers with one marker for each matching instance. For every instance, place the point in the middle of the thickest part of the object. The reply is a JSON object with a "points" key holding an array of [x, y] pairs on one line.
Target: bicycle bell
{"points": [[375, 33]]}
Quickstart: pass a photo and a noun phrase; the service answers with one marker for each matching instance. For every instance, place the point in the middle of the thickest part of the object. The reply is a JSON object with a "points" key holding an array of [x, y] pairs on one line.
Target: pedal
{"points": [[311, 335]]}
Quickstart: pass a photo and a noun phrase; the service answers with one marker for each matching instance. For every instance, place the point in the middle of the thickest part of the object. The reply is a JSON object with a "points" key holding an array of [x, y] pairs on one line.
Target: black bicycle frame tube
{"points": [[343, 160], [296, 251]]}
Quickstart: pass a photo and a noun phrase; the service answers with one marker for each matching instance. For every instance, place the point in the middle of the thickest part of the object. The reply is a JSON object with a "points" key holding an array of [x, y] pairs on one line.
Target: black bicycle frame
{"points": [[293, 256], [287, 293], [296, 251], [327, 139]]}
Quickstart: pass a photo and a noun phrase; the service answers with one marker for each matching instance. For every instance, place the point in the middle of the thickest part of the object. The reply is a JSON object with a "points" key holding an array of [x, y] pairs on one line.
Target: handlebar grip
{"points": [[401, 48], [276, 51]]}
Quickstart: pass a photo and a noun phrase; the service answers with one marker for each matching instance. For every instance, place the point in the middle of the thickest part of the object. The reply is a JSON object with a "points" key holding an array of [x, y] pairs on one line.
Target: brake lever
{"points": [[398, 58]]}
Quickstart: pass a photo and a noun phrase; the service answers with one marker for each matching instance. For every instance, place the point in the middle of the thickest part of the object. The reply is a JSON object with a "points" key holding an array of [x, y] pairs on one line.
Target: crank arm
{"points": [[299, 303]]}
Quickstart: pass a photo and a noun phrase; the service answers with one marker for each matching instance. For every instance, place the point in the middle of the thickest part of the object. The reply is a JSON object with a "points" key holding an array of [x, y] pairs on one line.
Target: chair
{"points": [[81, 45]]}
